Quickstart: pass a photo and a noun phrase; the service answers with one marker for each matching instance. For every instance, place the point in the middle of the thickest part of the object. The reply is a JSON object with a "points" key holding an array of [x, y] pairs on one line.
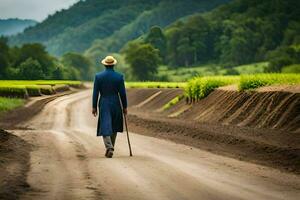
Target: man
{"points": [[110, 85]]}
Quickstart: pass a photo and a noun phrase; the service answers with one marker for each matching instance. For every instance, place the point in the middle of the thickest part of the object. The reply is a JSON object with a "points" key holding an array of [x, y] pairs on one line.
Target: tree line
{"points": [[32, 62], [238, 33]]}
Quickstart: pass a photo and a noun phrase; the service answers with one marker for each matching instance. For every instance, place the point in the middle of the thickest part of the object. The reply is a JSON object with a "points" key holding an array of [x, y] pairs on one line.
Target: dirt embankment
{"points": [[258, 109], [14, 165], [259, 126], [12, 119]]}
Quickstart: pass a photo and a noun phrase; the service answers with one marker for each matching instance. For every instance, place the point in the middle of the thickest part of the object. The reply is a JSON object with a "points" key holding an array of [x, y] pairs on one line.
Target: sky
{"points": [[32, 9]]}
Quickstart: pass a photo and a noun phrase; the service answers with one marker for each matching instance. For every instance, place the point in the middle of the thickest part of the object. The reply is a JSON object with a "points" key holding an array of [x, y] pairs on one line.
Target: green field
{"points": [[24, 89], [182, 74]]}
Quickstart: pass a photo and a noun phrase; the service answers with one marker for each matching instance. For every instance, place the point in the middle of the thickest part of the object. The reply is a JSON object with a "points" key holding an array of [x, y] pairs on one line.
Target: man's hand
{"points": [[94, 112], [125, 111]]}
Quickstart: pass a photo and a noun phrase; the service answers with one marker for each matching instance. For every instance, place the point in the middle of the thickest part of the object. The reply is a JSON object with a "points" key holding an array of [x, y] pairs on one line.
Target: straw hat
{"points": [[109, 60]]}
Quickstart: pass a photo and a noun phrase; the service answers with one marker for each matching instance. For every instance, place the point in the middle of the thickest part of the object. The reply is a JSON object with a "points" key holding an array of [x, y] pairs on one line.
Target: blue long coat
{"points": [[108, 84]]}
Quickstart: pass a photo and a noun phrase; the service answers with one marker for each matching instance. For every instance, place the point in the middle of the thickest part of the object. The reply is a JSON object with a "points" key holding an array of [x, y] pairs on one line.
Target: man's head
{"points": [[109, 61]]}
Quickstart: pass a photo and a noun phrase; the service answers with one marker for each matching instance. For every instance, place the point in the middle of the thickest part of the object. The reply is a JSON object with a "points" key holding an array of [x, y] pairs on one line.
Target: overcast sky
{"points": [[31, 9]]}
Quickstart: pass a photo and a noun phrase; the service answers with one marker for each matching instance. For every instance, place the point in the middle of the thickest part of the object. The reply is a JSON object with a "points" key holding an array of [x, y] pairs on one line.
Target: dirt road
{"points": [[68, 163]]}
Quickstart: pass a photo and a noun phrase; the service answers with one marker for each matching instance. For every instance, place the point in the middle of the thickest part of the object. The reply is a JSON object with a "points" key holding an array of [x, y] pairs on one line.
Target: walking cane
{"points": [[124, 116]]}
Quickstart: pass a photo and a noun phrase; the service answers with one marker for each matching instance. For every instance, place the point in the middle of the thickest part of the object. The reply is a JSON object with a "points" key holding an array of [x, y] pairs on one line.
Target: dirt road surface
{"points": [[67, 162]]}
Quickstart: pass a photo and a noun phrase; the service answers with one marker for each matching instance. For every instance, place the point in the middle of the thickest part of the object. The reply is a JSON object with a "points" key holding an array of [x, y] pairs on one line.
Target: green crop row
{"points": [[155, 84], [18, 91], [199, 87], [23, 89], [258, 80]]}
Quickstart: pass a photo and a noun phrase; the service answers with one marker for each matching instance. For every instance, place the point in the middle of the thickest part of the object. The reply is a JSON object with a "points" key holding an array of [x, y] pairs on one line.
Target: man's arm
{"points": [[123, 96], [95, 96]]}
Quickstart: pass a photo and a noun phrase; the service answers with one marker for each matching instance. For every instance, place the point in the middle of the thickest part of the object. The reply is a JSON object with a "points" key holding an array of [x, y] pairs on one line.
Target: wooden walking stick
{"points": [[124, 116]]}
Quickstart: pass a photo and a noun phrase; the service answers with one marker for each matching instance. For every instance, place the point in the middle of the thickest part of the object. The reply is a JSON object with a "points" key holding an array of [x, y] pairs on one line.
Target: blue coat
{"points": [[108, 84]]}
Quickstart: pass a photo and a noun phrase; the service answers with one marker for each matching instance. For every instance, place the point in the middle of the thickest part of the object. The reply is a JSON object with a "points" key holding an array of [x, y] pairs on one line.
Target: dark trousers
{"points": [[109, 141]]}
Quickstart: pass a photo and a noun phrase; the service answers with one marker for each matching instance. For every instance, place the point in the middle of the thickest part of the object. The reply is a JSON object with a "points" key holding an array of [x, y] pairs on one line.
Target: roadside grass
{"points": [[24, 88], [7, 104], [248, 82], [199, 87], [149, 84]]}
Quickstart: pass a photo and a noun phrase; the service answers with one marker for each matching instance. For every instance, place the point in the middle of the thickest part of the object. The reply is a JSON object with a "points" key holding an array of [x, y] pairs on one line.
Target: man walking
{"points": [[110, 85]]}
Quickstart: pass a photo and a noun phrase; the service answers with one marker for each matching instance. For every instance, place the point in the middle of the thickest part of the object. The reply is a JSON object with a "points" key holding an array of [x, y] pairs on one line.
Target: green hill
{"points": [[13, 26], [237, 33], [90, 24], [163, 14]]}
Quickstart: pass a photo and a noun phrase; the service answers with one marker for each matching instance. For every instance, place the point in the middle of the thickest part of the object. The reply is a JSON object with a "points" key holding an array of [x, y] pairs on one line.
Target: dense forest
{"points": [[32, 62], [13, 26], [240, 32], [106, 25]]}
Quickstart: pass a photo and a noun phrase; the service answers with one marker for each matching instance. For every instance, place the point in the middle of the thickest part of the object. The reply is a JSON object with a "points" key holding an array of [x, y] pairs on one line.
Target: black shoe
{"points": [[110, 153]]}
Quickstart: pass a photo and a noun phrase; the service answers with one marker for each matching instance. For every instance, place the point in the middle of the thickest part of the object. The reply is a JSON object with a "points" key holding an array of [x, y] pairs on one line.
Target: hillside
{"points": [[13, 26], [237, 33], [163, 14], [77, 28]]}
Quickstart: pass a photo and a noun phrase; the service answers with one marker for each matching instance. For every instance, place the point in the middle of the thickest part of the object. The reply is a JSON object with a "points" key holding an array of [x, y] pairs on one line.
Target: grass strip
{"points": [[7, 104]]}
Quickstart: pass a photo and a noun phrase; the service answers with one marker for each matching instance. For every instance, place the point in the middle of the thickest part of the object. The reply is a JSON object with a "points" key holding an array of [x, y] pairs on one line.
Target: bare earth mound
{"points": [[14, 165], [258, 126], [271, 109]]}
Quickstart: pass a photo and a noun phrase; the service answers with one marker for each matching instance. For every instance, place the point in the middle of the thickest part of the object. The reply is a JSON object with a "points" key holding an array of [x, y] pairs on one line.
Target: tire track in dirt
{"points": [[58, 164]]}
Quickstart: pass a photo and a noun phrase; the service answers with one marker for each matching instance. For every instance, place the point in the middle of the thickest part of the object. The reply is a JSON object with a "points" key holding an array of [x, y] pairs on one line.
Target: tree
{"points": [[37, 52], [80, 63], [143, 60], [173, 35], [31, 70], [158, 40], [58, 73], [283, 56], [4, 54], [185, 51], [72, 73]]}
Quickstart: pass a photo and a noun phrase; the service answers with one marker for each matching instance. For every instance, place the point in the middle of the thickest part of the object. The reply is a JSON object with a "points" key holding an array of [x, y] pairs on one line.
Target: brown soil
{"points": [[63, 139], [14, 151], [136, 96], [12, 119], [14, 165], [260, 127], [274, 110], [283, 88]]}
